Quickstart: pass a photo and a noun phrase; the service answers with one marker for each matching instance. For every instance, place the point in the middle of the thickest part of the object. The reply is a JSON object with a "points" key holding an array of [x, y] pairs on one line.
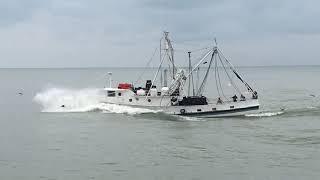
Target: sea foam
{"points": [[81, 100], [265, 114]]}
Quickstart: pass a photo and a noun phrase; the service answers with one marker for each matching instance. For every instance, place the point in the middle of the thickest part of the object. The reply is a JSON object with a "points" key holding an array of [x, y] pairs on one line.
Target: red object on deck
{"points": [[124, 86]]}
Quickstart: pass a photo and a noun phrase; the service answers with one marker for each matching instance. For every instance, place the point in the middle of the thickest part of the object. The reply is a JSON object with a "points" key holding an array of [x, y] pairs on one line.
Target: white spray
{"points": [[83, 100]]}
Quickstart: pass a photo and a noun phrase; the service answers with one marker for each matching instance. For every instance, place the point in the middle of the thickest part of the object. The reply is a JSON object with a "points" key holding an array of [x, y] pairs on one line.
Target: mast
{"points": [[189, 53], [110, 79], [165, 78], [197, 83], [160, 51], [170, 52]]}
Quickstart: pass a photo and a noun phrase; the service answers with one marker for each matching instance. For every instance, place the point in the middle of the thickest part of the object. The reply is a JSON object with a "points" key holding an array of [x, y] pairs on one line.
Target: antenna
{"points": [[215, 41]]}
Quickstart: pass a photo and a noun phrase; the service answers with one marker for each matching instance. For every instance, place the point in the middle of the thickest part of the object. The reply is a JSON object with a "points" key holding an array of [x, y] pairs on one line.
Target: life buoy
{"points": [[182, 111]]}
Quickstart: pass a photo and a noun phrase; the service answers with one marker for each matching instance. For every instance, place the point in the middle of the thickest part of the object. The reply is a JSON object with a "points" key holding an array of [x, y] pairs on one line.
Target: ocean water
{"points": [[90, 140]]}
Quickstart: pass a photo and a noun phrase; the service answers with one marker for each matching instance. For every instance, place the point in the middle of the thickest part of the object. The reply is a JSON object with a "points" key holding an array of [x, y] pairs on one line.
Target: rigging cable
{"points": [[220, 86], [233, 84], [206, 76], [148, 64], [215, 76], [155, 77], [196, 50], [193, 51], [235, 72]]}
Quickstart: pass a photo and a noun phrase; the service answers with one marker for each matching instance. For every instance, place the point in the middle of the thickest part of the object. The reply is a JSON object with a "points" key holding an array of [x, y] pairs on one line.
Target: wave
{"points": [[303, 111], [83, 100], [265, 114]]}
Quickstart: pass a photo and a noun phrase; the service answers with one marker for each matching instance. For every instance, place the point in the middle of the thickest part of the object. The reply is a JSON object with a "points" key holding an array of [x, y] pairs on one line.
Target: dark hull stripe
{"points": [[219, 112]]}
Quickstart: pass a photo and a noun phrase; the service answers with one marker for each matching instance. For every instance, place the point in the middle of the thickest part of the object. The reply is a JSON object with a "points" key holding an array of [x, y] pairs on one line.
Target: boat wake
{"points": [[294, 112], [265, 114], [84, 100], [121, 109]]}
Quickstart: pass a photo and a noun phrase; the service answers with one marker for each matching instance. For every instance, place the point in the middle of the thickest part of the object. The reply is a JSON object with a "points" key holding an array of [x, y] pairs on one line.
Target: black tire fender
{"points": [[174, 99]]}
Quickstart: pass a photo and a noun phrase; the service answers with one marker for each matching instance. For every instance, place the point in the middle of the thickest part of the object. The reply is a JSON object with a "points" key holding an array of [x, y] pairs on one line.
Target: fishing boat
{"points": [[172, 90]]}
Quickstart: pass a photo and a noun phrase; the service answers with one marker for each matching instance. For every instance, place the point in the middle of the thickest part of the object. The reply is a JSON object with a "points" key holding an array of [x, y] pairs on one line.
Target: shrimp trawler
{"points": [[173, 91]]}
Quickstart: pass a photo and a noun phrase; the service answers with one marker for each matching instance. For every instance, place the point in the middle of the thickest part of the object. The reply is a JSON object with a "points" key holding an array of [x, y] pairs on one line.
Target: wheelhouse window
{"points": [[111, 93]]}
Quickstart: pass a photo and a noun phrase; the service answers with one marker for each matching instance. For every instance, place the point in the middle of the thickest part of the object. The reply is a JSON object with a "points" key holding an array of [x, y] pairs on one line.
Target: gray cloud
{"points": [[15, 11], [73, 33]]}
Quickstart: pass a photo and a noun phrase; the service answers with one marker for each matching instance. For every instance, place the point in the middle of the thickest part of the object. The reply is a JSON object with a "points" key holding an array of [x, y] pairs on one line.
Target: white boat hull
{"points": [[226, 109], [163, 104]]}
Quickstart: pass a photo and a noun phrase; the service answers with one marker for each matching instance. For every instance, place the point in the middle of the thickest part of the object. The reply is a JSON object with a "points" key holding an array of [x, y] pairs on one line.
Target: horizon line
{"points": [[135, 67]]}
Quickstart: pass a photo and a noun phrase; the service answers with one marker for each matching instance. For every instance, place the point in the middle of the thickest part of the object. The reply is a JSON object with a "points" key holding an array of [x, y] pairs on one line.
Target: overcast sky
{"points": [[116, 33]]}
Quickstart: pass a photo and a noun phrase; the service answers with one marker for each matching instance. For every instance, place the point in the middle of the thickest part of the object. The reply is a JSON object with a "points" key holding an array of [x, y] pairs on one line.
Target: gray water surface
{"points": [[108, 145]]}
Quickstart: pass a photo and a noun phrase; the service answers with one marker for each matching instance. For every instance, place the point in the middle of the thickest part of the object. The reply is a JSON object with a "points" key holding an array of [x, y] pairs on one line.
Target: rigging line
{"points": [[205, 54], [148, 64], [156, 75], [196, 50], [196, 66], [230, 78], [193, 51], [170, 72], [200, 90], [233, 84], [235, 72], [215, 75], [189, 42], [171, 62], [220, 85], [200, 62]]}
